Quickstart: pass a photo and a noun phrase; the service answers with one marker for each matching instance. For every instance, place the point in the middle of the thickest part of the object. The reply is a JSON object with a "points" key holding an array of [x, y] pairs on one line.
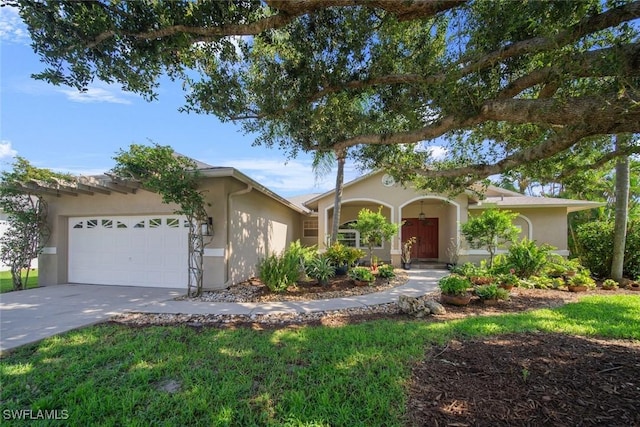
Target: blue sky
{"points": [[58, 128]]}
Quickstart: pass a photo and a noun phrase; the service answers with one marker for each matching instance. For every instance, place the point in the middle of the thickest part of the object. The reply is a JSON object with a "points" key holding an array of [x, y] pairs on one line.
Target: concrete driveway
{"points": [[34, 314]]}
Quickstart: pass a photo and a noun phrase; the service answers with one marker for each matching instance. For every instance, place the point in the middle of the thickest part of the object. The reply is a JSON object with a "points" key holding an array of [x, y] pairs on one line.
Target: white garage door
{"points": [[129, 250]]}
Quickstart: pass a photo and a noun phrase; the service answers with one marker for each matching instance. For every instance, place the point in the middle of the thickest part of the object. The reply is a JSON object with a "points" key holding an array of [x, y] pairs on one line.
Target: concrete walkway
{"points": [[32, 315]]}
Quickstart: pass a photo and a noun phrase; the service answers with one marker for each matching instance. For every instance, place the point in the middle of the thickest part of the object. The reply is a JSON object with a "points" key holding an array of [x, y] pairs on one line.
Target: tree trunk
{"points": [[622, 211], [341, 156]]}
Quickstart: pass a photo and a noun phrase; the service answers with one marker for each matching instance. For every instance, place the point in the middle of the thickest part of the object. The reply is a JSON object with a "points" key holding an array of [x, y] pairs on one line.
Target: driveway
{"points": [[34, 314]]}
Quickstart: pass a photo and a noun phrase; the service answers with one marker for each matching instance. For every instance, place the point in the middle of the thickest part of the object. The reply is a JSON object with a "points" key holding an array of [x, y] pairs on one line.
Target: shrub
{"points": [[491, 291], [526, 258], [386, 271], [362, 274], [278, 272], [490, 230], [454, 284], [320, 268], [595, 242], [583, 279], [610, 284]]}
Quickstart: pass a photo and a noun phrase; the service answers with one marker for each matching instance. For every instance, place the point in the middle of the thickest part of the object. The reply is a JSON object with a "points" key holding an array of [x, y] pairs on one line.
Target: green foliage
{"points": [[342, 255], [490, 230], [491, 291], [527, 258], [374, 229], [610, 284], [352, 375], [362, 274], [386, 271], [454, 284], [278, 272], [162, 170], [595, 242], [28, 229], [582, 279], [321, 268], [469, 269]]}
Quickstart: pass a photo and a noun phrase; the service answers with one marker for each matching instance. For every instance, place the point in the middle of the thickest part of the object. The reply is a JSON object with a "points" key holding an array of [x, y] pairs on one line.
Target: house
{"points": [[108, 231]]}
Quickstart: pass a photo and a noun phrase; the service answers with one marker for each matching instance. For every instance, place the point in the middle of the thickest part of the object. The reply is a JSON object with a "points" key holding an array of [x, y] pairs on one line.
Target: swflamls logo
{"points": [[40, 414]]}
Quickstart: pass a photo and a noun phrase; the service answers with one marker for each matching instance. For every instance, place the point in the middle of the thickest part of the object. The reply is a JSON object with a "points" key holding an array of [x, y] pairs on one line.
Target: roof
{"points": [[535, 202], [302, 199]]}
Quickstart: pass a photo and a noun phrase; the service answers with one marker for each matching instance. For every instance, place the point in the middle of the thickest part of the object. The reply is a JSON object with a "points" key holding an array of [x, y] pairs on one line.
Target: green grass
{"points": [[354, 375], [6, 284]]}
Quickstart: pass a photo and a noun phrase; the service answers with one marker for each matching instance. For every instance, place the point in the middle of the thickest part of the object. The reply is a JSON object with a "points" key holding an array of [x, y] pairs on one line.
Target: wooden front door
{"points": [[426, 234]]}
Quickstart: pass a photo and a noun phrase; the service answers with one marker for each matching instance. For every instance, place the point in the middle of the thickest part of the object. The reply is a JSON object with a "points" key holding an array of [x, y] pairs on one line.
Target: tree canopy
{"points": [[505, 83]]}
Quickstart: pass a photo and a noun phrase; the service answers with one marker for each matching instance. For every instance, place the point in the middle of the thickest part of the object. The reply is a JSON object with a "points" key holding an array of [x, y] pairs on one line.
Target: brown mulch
{"points": [[535, 379], [337, 287]]}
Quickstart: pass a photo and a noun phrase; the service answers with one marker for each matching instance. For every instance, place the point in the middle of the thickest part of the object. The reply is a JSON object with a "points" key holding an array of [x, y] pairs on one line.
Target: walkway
{"points": [[34, 314]]}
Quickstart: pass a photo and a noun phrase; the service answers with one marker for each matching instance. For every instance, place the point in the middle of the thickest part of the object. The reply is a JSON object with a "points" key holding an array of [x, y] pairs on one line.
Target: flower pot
{"points": [[455, 299], [406, 265], [342, 270], [634, 286], [490, 301], [577, 288], [508, 287]]}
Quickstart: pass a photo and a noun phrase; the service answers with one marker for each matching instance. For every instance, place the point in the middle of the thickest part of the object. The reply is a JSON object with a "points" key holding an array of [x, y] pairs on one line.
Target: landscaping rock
{"points": [[435, 307], [413, 306]]}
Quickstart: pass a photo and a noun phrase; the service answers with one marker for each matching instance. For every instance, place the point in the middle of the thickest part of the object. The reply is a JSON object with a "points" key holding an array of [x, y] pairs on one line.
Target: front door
{"points": [[426, 234]]}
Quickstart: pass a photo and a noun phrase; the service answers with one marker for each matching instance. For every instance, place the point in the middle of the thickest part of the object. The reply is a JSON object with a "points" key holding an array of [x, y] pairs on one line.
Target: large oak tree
{"points": [[507, 83]]}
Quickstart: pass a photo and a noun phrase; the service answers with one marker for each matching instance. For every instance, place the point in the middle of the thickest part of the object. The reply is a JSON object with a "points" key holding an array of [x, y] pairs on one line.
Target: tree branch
{"points": [[627, 151]]}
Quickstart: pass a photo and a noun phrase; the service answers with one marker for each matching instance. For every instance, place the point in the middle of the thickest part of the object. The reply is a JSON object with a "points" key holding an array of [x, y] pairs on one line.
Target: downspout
{"points": [[228, 283]]}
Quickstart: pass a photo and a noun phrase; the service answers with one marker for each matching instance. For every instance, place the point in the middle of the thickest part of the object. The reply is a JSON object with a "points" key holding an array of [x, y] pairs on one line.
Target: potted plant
{"points": [[581, 283], [508, 281], [385, 271], [362, 276], [405, 256], [454, 289], [491, 294], [343, 257], [609, 285], [321, 269]]}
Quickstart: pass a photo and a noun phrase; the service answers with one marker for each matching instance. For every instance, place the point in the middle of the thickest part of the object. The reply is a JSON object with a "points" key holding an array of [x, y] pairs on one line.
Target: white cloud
{"points": [[5, 149], [286, 178], [437, 152], [12, 29], [100, 92]]}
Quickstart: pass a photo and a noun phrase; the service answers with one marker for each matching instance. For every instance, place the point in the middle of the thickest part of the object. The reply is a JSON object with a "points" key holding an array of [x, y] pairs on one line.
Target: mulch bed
{"points": [[536, 379]]}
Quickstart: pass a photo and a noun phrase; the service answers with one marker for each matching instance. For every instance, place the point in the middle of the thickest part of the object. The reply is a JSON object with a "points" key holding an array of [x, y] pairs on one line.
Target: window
{"points": [[92, 223], [173, 222], [351, 237], [121, 225], [155, 222], [107, 223], [310, 229], [139, 225], [78, 225]]}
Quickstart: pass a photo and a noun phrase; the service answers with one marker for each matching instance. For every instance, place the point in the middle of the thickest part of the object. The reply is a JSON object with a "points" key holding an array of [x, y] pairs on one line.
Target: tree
{"points": [[374, 229], [507, 83], [27, 216], [175, 178], [622, 213], [491, 230]]}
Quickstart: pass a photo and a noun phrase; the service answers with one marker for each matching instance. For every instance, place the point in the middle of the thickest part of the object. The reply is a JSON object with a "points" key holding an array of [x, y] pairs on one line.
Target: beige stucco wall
{"points": [[544, 225], [259, 224], [398, 202]]}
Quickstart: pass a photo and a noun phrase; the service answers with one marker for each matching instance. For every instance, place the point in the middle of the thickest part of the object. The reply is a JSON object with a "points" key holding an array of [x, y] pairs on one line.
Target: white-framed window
{"points": [[351, 237], [310, 228]]}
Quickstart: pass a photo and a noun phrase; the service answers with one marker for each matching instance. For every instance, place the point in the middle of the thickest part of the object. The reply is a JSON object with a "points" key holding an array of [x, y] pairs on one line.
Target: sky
{"points": [[58, 128]]}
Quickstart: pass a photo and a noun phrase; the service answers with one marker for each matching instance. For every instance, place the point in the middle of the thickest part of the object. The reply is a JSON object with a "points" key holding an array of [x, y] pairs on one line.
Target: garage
{"points": [[129, 250]]}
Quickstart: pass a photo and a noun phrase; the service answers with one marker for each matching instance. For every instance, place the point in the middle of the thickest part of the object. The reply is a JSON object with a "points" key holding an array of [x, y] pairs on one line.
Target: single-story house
{"points": [[107, 231]]}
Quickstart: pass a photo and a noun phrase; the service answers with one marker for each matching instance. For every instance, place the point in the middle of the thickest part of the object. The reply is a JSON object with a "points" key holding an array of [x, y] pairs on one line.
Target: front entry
{"points": [[426, 233]]}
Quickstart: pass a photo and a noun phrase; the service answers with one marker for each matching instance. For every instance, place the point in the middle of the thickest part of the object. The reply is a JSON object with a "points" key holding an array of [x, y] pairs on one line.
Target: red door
{"points": [[426, 234]]}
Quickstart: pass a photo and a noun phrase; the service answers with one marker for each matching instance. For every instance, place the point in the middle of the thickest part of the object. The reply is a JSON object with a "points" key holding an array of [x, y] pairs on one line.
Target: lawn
{"points": [[353, 375], [6, 284]]}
